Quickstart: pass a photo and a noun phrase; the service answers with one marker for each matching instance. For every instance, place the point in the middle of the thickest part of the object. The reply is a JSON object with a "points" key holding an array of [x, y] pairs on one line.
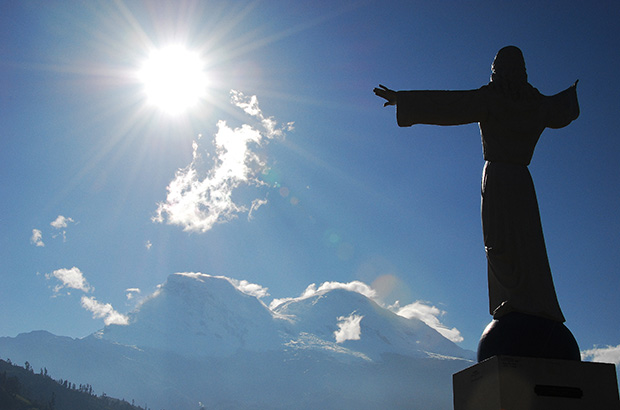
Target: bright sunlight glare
{"points": [[174, 79]]}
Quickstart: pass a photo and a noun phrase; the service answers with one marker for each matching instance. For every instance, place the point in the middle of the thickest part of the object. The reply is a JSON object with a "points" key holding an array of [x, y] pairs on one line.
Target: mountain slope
{"points": [[194, 314], [291, 378], [21, 388], [365, 326], [199, 315]]}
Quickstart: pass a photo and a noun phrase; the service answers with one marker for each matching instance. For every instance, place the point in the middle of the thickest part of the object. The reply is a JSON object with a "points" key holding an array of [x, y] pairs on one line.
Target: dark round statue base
{"points": [[518, 334]]}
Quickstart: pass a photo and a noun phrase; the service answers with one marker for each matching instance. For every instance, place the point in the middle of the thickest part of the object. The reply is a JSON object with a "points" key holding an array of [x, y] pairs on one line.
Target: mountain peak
{"points": [[195, 314], [198, 314], [356, 322]]}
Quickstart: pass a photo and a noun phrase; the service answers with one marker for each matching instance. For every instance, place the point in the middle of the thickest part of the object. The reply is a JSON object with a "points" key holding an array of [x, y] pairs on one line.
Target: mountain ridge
{"points": [[196, 314]]}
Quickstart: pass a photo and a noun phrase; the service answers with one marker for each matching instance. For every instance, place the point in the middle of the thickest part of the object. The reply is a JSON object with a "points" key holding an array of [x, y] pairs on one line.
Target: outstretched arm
{"points": [[562, 108], [435, 107], [384, 92]]}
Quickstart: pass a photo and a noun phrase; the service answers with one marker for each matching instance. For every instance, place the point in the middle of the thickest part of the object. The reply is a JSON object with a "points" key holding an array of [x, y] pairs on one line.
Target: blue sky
{"points": [[332, 189]]}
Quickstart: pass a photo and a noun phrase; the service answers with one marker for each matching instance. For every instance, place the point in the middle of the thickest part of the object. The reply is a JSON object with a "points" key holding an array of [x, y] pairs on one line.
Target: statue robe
{"points": [[518, 268]]}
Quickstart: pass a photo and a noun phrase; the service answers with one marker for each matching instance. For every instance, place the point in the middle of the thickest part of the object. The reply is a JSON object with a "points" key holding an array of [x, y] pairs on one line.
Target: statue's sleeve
{"points": [[562, 108], [440, 107]]}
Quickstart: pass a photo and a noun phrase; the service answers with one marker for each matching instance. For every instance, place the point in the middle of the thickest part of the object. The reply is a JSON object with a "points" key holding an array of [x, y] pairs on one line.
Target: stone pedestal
{"points": [[522, 383]]}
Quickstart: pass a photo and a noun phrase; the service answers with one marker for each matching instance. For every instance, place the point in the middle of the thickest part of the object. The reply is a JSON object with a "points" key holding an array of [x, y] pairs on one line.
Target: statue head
{"points": [[509, 65]]}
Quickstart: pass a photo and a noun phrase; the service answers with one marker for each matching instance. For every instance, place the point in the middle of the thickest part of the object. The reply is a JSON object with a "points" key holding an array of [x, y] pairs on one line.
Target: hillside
{"points": [[23, 389]]}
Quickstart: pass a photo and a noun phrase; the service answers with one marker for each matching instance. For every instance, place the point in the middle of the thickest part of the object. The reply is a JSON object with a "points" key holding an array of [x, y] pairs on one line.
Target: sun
{"points": [[174, 79]]}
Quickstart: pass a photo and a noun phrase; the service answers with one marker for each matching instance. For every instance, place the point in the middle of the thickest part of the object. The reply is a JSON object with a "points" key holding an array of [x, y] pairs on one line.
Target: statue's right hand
{"points": [[384, 92]]}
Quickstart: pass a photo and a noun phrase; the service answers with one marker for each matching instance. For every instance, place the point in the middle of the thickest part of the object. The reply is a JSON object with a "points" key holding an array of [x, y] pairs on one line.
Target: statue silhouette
{"points": [[512, 115]]}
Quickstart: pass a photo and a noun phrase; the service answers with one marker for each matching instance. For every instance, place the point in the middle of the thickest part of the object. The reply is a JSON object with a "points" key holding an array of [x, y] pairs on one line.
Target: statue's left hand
{"points": [[384, 92]]}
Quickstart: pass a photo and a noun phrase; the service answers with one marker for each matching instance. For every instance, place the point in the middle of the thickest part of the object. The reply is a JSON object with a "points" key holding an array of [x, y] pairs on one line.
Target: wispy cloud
{"points": [[248, 288], [430, 315], [104, 310], [609, 354], [70, 278], [311, 290], [197, 201], [74, 279], [61, 222], [131, 293], [354, 286], [257, 203], [37, 238], [243, 286], [348, 328]]}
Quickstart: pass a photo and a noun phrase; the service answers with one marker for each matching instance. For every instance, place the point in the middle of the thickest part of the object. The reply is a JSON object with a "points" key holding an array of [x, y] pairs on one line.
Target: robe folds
{"points": [[519, 275]]}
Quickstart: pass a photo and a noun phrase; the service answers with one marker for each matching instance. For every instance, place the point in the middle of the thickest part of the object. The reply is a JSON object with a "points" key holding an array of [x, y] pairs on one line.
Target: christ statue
{"points": [[527, 319]]}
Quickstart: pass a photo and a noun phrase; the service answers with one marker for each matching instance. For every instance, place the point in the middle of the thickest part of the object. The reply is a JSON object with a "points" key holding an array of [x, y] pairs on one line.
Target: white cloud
{"points": [[249, 105], [74, 279], [248, 288], [70, 278], [61, 222], [197, 201], [105, 311], [131, 292], [311, 290], [243, 286], [37, 238], [354, 286], [609, 354], [348, 328], [429, 315]]}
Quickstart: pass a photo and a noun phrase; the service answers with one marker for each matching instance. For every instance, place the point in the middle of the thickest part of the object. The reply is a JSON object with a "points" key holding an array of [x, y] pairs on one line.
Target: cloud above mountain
{"points": [[312, 290], [73, 278], [243, 286], [103, 311], [70, 278], [430, 315]]}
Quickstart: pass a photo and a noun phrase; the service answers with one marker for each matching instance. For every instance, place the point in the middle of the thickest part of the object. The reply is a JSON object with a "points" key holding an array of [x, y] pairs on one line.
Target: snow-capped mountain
{"points": [[204, 340], [360, 325], [193, 314]]}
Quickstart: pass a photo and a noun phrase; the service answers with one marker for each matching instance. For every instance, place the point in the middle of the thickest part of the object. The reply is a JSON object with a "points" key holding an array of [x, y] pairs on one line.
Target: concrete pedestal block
{"points": [[522, 383]]}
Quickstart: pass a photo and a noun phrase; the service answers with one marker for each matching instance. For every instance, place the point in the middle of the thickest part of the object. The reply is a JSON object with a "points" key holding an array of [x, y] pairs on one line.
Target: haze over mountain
{"points": [[205, 340]]}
